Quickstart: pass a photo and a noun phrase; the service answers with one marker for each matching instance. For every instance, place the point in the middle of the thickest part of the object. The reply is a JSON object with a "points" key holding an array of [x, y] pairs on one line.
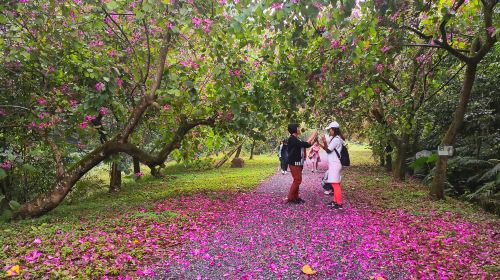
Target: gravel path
{"points": [[257, 236]]}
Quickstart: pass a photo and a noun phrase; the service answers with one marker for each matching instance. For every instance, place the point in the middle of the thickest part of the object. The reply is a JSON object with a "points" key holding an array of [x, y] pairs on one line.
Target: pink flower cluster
{"points": [[277, 6], [99, 86], [335, 44], [103, 111], [205, 24], [385, 49], [86, 120], [235, 72], [6, 165], [189, 63], [139, 174], [379, 67]]}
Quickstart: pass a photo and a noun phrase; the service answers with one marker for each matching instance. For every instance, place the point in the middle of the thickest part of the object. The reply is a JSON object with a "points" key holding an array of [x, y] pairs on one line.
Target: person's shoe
{"points": [[332, 204], [300, 200], [294, 201], [339, 207], [286, 172], [282, 172], [328, 192]]}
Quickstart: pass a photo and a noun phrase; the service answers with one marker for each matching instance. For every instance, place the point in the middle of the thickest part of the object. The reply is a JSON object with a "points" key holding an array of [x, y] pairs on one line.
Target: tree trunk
{"points": [[50, 200], [399, 170], [226, 157], [137, 165], [238, 152], [115, 181], [251, 149], [437, 188], [388, 158]]}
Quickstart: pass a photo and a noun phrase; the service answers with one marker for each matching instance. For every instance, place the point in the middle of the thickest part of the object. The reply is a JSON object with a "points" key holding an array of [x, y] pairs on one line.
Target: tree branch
{"points": [[445, 84], [444, 41], [390, 84], [418, 32]]}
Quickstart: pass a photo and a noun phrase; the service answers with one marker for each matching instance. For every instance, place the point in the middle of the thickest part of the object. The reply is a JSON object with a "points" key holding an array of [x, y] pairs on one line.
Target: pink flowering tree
{"points": [[115, 78]]}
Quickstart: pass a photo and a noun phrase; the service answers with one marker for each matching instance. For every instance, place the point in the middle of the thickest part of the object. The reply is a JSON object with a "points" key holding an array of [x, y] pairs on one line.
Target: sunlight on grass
{"points": [[91, 198]]}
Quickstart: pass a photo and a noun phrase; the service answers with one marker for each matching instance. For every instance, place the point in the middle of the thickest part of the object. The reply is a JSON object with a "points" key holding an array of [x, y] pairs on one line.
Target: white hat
{"points": [[332, 125]]}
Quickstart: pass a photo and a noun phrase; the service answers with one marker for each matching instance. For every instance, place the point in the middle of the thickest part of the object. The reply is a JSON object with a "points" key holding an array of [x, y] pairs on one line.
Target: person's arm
{"points": [[309, 142], [324, 144]]}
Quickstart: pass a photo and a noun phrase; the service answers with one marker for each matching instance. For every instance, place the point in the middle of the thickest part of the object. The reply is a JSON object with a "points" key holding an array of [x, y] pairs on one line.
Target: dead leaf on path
{"points": [[307, 269], [377, 277]]}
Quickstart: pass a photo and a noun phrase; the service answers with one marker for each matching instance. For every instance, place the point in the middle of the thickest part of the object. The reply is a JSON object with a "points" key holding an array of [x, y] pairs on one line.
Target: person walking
{"points": [[314, 157], [283, 155], [296, 158], [333, 148]]}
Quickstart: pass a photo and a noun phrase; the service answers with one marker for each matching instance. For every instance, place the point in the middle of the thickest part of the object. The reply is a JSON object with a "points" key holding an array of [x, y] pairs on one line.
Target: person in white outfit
{"points": [[333, 148]]}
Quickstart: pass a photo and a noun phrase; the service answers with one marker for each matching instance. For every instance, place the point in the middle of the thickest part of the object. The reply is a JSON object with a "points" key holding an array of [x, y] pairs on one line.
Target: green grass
{"points": [[383, 191], [90, 197]]}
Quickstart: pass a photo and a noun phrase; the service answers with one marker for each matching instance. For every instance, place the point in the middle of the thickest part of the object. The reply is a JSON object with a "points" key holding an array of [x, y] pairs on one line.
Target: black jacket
{"points": [[296, 154]]}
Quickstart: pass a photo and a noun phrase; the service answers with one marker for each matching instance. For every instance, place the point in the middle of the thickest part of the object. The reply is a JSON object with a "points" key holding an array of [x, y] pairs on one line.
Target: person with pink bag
{"points": [[314, 158]]}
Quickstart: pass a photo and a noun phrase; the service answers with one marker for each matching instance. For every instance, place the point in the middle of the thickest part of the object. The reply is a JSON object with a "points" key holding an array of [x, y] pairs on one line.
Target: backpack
{"points": [[343, 156]]}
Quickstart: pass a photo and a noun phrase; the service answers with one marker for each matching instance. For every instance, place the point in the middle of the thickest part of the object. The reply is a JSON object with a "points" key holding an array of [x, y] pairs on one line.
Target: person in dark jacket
{"points": [[283, 155], [296, 158]]}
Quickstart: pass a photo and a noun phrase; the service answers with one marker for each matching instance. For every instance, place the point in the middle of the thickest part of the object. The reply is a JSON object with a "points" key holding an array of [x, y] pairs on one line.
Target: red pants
{"points": [[296, 171], [337, 194]]}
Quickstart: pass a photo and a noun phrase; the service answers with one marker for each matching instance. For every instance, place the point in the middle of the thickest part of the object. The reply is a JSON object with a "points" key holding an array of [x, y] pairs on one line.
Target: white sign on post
{"points": [[445, 150]]}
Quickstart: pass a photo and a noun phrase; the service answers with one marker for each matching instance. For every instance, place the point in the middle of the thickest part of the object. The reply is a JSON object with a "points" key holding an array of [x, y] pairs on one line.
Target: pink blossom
{"points": [[222, 2], [166, 107], [112, 53], [277, 6], [88, 118], [235, 72], [344, 48], [377, 90], [119, 82], [341, 94], [6, 165], [37, 241], [335, 44], [145, 272], [99, 86], [170, 25], [42, 101], [385, 49], [196, 21], [103, 111], [73, 103], [420, 58], [379, 67], [33, 256], [84, 125], [139, 174], [24, 1], [490, 30]]}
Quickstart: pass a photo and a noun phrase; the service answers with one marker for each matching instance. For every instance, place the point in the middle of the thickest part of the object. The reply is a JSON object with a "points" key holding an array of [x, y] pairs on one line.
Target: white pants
{"points": [[334, 172]]}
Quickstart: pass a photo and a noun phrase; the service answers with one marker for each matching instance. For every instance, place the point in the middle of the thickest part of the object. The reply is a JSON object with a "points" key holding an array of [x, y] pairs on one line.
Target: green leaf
{"points": [[3, 174], [14, 205], [6, 215]]}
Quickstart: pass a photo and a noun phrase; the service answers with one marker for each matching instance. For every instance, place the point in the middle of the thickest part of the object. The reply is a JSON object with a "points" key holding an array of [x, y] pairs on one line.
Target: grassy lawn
{"points": [[91, 198], [370, 182]]}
